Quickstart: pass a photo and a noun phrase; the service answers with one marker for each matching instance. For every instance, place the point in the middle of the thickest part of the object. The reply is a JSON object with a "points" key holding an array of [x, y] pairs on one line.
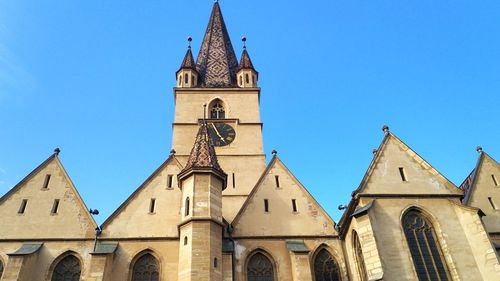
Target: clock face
{"points": [[221, 134]]}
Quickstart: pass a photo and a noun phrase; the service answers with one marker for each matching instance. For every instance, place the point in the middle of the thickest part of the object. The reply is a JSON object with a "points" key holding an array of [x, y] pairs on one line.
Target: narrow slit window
{"points": [[170, 179], [186, 206], [186, 78], [215, 262], [22, 208], [402, 174], [247, 79], [234, 181], [47, 180], [294, 205], [185, 240], [266, 205], [277, 179], [493, 205], [55, 207], [152, 206], [494, 180]]}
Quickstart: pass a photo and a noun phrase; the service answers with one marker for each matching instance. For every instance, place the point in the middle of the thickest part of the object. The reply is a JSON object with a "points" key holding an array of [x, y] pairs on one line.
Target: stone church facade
{"points": [[215, 211]]}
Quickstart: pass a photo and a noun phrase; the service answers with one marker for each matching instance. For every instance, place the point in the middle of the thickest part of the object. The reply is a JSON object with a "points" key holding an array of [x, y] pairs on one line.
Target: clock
{"points": [[221, 134]]}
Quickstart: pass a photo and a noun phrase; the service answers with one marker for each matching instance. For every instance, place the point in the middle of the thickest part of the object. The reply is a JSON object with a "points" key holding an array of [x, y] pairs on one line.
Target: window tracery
{"points": [[425, 252], [146, 269], [358, 255], [67, 269], [260, 268], [217, 110], [325, 267]]}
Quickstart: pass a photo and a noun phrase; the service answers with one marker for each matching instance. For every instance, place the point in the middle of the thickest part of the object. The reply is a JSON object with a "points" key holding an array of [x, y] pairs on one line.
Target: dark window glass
{"points": [[260, 268], [55, 206], [22, 208], [425, 252], [146, 269], [217, 111], [68, 269], [325, 267], [46, 182], [186, 205], [358, 255]]}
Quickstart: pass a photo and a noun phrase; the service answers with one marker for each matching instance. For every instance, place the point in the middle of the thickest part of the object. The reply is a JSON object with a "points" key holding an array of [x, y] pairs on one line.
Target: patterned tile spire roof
{"points": [[245, 61], [203, 156], [188, 61], [217, 63]]}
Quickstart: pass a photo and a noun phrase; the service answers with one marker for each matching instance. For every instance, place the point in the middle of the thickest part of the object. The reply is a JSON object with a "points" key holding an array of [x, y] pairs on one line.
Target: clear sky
{"points": [[95, 78]]}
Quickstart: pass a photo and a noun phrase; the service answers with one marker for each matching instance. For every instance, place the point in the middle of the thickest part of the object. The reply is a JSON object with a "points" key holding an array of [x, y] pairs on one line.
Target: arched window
{"points": [[358, 255], [425, 252], [67, 269], [260, 268], [325, 267], [217, 110], [186, 206], [146, 269], [1, 269], [186, 78]]}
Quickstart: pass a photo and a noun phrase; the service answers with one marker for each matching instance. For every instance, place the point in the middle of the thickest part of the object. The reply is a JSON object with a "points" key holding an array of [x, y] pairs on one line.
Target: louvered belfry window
{"points": [[146, 269], [260, 268], [325, 267], [358, 255], [425, 252], [68, 269]]}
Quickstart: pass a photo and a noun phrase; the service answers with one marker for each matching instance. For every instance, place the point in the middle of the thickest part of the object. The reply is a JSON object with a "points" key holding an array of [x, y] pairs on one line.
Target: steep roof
{"points": [[245, 61], [203, 155], [217, 63], [188, 61], [470, 183]]}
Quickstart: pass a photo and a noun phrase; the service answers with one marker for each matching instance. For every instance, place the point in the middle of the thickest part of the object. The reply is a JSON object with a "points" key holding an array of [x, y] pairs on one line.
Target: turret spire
{"points": [[187, 75], [203, 157], [247, 75], [217, 63]]}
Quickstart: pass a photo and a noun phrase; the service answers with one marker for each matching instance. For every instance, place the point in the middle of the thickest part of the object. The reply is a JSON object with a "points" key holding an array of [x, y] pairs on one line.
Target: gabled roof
{"points": [[470, 183], [245, 61], [202, 155], [52, 158], [217, 63], [425, 165], [188, 61], [170, 159], [275, 160]]}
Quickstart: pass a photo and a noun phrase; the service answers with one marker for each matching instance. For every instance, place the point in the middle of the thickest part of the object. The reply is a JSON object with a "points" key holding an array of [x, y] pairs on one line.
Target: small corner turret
{"points": [[187, 75], [247, 75]]}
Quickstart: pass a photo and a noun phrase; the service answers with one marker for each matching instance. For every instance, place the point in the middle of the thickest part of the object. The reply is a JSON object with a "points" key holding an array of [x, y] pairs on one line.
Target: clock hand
{"points": [[217, 132]]}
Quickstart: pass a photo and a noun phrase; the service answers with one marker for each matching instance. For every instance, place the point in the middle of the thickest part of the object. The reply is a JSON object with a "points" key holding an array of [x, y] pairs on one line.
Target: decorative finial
{"points": [[57, 150], [244, 40], [479, 149], [172, 151], [385, 129], [189, 41], [274, 152], [374, 151]]}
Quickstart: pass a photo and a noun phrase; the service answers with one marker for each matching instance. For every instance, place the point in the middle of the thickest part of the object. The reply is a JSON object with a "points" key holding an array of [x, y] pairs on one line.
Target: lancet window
{"points": [[146, 269], [217, 110], [425, 252], [325, 267], [67, 269], [358, 255], [260, 268]]}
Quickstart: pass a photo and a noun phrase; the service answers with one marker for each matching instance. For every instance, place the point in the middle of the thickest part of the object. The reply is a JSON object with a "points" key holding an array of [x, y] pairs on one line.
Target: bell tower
{"points": [[210, 87]]}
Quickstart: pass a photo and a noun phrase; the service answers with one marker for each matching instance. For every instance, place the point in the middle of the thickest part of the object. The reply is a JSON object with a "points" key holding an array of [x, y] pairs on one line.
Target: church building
{"points": [[214, 210]]}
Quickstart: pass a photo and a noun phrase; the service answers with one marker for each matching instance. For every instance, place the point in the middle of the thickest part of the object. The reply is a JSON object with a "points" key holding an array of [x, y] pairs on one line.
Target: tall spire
{"points": [[217, 63], [203, 156]]}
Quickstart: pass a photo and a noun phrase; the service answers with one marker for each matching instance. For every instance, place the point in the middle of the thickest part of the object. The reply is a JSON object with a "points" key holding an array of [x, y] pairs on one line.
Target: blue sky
{"points": [[95, 78]]}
